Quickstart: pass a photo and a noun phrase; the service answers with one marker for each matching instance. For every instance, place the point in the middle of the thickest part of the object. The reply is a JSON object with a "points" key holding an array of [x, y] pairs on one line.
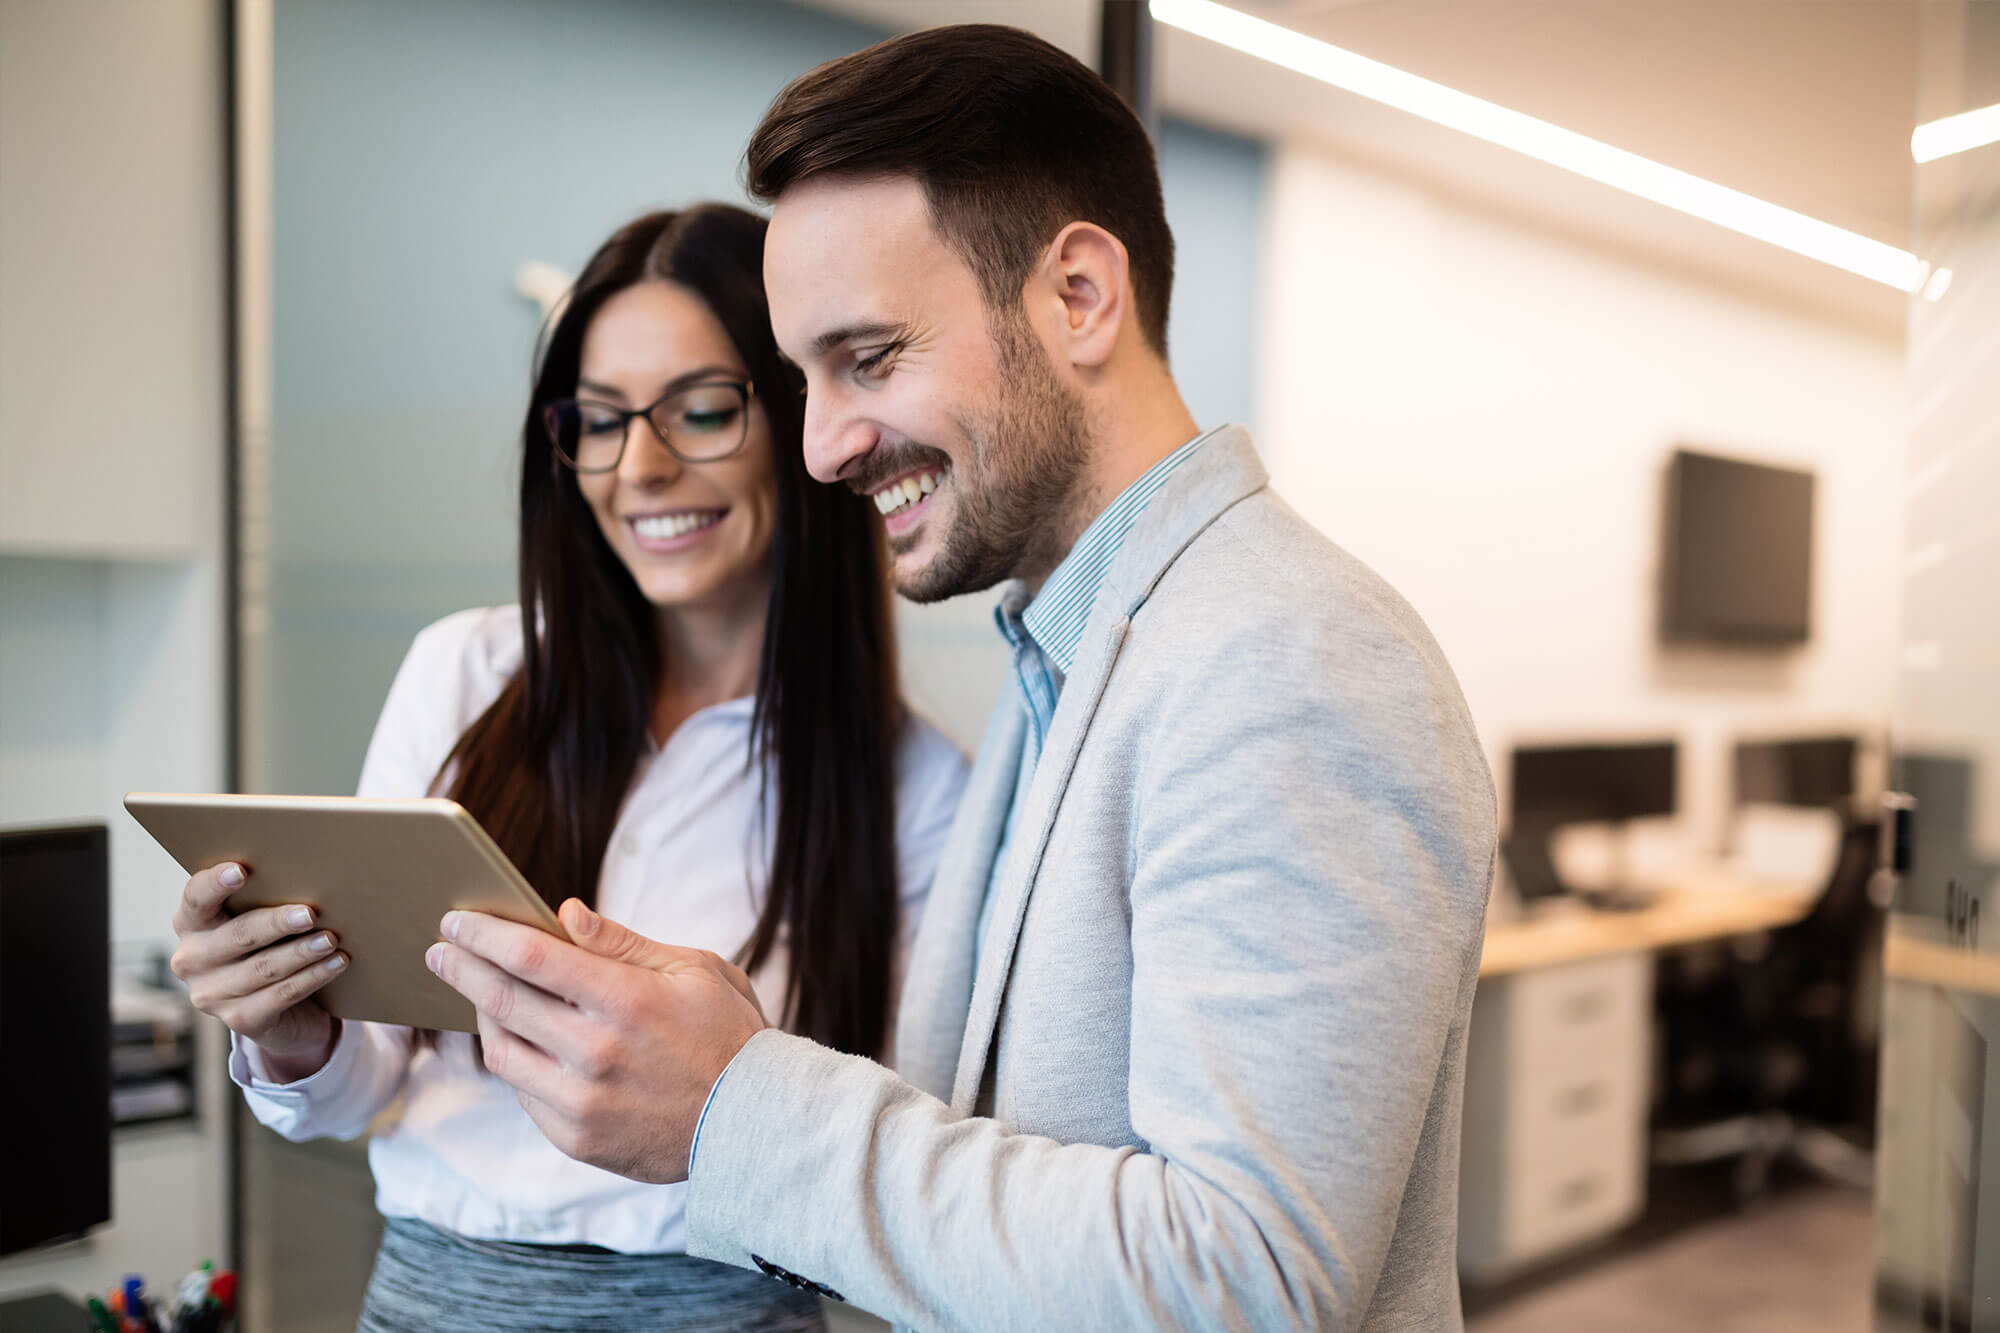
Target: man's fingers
{"points": [[535, 956], [204, 894], [234, 938], [521, 1065], [513, 1004]]}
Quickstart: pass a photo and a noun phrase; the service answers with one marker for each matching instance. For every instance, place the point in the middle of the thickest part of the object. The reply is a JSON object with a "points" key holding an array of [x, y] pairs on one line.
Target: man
{"points": [[1182, 1042]]}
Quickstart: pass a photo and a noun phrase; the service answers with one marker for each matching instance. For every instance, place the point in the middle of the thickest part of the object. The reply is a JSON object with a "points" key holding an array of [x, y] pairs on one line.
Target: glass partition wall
{"points": [[1938, 1161]]}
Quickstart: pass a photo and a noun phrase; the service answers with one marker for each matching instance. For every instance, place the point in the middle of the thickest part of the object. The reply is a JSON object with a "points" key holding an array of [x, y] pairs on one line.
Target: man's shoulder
{"points": [[1261, 572]]}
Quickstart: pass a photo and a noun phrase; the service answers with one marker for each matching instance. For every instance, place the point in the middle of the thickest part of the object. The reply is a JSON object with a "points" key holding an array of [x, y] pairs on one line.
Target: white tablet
{"points": [[379, 874]]}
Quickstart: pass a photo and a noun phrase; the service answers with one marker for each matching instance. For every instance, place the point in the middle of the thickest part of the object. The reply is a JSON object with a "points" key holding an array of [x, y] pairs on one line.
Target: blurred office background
{"points": [[1701, 522]]}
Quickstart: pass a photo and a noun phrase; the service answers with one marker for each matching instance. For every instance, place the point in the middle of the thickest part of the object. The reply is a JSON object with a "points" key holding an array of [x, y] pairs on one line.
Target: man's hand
{"points": [[613, 1043]]}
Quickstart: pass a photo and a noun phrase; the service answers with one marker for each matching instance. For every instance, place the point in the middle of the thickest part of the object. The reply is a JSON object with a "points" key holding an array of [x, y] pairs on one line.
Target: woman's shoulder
{"points": [[930, 767], [480, 641], [924, 746], [458, 665]]}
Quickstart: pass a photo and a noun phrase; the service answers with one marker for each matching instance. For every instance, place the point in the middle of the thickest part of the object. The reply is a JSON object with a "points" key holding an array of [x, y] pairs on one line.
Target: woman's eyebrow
{"points": [[710, 372]]}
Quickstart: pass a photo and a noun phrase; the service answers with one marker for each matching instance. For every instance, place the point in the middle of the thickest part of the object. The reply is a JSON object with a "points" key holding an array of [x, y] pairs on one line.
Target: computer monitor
{"points": [[1578, 784], [1737, 568], [55, 1034], [1814, 771]]}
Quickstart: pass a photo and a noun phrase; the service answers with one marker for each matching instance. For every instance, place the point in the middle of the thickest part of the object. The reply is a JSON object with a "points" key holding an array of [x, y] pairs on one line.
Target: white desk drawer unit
{"points": [[1554, 1145]]}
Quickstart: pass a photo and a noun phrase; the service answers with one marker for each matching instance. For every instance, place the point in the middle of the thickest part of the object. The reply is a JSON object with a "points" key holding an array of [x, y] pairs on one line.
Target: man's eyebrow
{"points": [[833, 338]]}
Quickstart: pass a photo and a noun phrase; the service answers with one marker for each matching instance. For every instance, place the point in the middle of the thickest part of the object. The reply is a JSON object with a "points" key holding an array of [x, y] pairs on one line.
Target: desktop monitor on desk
{"points": [[1813, 771], [55, 1034], [1578, 784]]}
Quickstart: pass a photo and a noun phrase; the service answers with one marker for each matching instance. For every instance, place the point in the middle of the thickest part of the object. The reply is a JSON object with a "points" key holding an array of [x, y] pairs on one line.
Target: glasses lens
{"points": [[589, 436], [704, 421]]}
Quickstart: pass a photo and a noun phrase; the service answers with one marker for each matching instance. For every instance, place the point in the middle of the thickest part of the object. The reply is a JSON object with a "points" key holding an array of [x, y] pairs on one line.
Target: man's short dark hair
{"points": [[1011, 139]]}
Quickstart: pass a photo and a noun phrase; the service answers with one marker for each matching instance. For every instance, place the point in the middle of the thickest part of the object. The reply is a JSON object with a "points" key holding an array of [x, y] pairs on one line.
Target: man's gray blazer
{"points": [[1206, 1070]]}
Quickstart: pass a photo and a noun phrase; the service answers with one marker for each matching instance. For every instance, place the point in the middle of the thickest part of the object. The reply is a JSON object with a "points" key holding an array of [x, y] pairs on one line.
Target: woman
{"points": [[691, 722]]}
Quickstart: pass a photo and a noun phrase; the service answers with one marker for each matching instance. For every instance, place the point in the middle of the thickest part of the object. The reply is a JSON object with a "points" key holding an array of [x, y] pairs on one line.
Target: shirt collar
{"points": [[1056, 617]]}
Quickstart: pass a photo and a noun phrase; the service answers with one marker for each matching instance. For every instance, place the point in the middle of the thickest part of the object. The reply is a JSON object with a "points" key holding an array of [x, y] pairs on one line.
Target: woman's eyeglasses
{"points": [[698, 423]]}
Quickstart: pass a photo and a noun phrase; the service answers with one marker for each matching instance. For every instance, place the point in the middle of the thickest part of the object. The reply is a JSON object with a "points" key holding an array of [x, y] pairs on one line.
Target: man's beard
{"points": [[1019, 481]]}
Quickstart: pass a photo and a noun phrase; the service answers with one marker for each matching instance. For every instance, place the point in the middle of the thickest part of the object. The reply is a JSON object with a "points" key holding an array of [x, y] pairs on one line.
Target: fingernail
{"points": [[434, 957], [450, 925], [321, 943], [299, 918], [586, 920], [335, 963], [231, 876]]}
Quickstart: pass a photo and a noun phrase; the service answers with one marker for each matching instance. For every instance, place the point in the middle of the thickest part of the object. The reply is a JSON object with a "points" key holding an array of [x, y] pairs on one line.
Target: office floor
{"points": [[1802, 1262]]}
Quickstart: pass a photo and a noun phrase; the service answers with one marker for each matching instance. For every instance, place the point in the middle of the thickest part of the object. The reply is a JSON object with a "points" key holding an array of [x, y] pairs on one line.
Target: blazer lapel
{"points": [[1223, 472], [930, 1025], [1078, 704]]}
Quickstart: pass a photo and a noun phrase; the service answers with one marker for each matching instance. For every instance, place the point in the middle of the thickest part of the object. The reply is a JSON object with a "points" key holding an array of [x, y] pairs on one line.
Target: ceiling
{"points": [[1805, 103]]}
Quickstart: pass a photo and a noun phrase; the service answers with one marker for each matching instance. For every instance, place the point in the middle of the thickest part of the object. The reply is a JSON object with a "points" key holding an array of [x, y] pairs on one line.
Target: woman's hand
{"points": [[257, 972]]}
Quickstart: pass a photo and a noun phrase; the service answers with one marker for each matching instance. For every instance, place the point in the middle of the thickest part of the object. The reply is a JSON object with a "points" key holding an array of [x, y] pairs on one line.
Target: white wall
{"points": [[1484, 415], [111, 624]]}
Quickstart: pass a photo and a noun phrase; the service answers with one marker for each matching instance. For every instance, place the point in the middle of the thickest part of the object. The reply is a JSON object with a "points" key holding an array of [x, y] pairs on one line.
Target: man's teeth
{"points": [[659, 527], [906, 492]]}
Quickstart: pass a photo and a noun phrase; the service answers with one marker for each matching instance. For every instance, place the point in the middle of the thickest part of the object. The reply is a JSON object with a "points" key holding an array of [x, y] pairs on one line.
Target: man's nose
{"points": [[834, 438]]}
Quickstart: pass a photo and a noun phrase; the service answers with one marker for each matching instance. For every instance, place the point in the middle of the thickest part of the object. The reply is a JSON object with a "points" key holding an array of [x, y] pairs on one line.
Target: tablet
{"points": [[380, 875]]}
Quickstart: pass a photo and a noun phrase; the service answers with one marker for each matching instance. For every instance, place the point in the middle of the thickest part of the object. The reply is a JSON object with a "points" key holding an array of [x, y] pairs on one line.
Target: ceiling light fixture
{"points": [[1955, 134], [1548, 143]]}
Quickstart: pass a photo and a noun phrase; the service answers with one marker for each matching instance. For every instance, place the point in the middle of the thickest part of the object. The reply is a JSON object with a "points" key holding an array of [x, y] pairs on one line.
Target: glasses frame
{"points": [[746, 392]]}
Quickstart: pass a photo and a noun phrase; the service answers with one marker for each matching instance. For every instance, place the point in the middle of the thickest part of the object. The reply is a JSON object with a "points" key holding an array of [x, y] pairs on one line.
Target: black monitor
{"points": [[1737, 564], [55, 1034], [1816, 771], [1578, 784]]}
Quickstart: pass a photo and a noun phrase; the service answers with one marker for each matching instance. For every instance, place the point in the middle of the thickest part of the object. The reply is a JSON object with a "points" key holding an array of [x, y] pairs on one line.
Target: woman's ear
{"points": [[1089, 275]]}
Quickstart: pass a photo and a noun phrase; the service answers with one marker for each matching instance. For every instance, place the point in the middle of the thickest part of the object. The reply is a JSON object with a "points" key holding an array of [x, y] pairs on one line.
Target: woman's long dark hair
{"points": [[547, 767]]}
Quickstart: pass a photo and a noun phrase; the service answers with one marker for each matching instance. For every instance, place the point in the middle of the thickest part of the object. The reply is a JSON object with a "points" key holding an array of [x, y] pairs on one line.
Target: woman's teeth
{"points": [[660, 527], [906, 492]]}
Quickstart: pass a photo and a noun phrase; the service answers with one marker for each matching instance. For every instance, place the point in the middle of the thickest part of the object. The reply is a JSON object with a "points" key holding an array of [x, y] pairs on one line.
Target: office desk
{"points": [[1558, 1063], [1703, 904]]}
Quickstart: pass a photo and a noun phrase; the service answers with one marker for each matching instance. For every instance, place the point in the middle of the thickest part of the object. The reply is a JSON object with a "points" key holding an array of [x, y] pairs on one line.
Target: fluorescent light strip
{"points": [[1955, 134], [1548, 143]]}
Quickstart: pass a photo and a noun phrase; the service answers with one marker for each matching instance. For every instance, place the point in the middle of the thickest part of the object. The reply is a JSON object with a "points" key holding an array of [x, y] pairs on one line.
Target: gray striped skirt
{"points": [[431, 1281]]}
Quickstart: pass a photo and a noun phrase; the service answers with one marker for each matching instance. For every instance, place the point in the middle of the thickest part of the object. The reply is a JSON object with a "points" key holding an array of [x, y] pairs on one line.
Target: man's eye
{"points": [[870, 365]]}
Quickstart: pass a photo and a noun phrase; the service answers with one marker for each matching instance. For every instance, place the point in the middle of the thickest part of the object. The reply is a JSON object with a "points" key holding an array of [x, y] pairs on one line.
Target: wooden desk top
{"points": [[1917, 950], [1705, 904]]}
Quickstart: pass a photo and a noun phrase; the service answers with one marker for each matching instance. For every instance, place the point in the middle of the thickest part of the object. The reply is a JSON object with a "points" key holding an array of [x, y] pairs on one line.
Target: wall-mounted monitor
{"points": [[1737, 564]]}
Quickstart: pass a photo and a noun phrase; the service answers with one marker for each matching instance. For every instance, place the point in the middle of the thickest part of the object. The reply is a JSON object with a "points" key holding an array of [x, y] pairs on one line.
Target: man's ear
{"points": [[1088, 275]]}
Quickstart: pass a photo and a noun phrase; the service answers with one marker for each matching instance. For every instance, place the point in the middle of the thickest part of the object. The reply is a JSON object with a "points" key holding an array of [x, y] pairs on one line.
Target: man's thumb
{"points": [[608, 939]]}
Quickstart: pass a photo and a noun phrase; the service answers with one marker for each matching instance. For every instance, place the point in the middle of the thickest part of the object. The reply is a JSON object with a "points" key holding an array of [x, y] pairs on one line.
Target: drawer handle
{"points": [[1576, 1193], [1581, 1098], [1586, 1006]]}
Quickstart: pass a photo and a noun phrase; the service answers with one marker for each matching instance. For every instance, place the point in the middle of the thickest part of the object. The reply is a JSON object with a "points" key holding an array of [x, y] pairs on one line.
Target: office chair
{"points": [[1770, 1050]]}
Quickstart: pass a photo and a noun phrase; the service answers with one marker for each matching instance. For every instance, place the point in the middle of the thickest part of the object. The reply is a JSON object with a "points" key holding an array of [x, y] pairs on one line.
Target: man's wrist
{"points": [[694, 1144]]}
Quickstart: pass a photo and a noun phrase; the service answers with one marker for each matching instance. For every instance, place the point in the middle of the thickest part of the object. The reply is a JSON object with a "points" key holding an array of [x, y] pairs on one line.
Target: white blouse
{"points": [[686, 864]]}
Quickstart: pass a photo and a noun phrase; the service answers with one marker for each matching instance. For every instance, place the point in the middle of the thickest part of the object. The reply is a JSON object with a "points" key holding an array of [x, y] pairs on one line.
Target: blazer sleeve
{"points": [[1303, 937]]}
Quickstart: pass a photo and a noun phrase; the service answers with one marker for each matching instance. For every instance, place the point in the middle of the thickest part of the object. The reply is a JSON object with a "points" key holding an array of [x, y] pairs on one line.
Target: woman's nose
{"points": [[647, 460]]}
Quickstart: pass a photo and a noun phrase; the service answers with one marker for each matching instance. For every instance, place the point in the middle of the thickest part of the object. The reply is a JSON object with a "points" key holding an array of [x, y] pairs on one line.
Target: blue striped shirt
{"points": [[1043, 636]]}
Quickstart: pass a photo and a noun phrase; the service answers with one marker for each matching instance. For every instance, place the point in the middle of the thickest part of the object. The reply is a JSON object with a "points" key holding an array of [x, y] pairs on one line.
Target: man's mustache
{"points": [[884, 465]]}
